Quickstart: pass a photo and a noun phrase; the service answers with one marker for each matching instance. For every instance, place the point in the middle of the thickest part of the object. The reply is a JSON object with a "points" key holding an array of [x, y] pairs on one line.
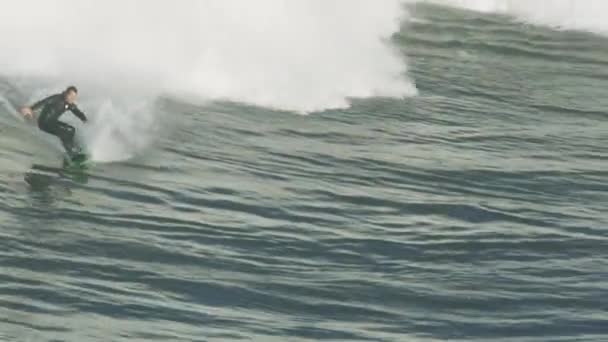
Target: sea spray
{"points": [[301, 56], [291, 55]]}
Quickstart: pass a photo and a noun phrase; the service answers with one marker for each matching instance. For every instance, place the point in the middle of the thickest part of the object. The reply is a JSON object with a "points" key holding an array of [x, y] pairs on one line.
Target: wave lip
{"points": [[562, 14]]}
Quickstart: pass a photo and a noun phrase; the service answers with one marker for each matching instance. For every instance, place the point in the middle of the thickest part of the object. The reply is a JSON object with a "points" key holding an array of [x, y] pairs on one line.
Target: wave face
{"points": [[302, 56]]}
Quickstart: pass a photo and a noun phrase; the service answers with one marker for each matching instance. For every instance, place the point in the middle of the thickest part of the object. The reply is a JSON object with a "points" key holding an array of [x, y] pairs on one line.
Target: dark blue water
{"points": [[474, 211]]}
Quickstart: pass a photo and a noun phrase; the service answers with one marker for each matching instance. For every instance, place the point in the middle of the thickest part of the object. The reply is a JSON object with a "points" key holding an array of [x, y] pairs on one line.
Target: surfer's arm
{"points": [[43, 102], [78, 113]]}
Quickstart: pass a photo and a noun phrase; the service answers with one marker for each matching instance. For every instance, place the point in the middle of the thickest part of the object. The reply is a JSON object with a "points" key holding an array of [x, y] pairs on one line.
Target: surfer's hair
{"points": [[71, 88]]}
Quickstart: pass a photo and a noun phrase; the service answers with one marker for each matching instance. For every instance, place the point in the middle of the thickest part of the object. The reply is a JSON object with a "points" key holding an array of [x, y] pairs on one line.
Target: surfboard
{"points": [[80, 160]]}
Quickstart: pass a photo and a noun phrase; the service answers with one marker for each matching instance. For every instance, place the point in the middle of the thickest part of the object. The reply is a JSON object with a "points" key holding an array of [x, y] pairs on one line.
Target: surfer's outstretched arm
{"points": [[28, 111], [43, 102], [78, 113]]}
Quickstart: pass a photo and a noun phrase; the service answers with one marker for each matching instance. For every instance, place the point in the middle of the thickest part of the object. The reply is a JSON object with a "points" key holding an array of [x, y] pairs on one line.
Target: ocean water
{"points": [[440, 175]]}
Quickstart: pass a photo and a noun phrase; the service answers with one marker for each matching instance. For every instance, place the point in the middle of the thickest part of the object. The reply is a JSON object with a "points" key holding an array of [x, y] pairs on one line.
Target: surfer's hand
{"points": [[27, 112]]}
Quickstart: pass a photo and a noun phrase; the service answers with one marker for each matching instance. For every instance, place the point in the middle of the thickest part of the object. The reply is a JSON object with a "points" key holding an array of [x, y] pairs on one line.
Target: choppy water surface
{"points": [[473, 211]]}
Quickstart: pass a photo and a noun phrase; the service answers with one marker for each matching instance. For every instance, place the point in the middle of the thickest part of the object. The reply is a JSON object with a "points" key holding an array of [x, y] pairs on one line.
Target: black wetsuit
{"points": [[52, 108]]}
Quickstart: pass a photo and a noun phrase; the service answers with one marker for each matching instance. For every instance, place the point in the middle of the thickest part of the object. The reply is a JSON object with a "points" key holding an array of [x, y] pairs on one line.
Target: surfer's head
{"points": [[70, 94]]}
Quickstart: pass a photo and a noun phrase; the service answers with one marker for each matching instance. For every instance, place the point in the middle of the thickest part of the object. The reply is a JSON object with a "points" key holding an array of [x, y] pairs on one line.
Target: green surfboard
{"points": [[79, 160]]}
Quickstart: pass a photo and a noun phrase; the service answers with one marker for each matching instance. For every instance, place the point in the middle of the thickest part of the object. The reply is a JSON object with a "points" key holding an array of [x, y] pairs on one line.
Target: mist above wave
{"points": [[293, 55]]}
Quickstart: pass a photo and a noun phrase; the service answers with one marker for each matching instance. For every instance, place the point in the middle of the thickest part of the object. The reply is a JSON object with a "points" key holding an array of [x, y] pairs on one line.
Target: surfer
{"points": [[52, 108]]}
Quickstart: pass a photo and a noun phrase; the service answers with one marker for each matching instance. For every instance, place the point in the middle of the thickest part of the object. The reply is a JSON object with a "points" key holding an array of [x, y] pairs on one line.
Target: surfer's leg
{"points": [[51, 128], [66, 133]]}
